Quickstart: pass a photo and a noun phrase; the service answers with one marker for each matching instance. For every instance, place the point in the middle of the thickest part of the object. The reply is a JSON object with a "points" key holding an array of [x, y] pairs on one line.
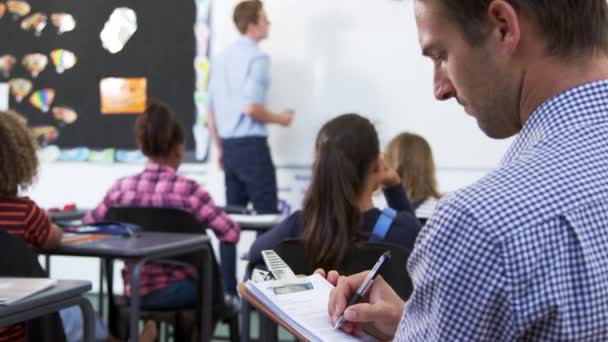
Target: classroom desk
{"points": [[72, 215], [64, 294], [257, 223], [146, 247]]}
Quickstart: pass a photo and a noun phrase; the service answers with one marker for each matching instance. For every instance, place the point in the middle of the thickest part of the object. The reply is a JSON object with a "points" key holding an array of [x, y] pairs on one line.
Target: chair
{"points": [[358, 258], [17, 260], [162, 219]]}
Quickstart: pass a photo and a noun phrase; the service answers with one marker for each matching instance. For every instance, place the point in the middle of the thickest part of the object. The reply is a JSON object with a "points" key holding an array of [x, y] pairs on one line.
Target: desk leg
{"points": [[134, 312], [100, 301], [207, 297], [47, 264], [88, 319]]}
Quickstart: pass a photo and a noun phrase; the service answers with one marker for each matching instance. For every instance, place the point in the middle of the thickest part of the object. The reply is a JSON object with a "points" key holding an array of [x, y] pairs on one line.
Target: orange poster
{"points": [[123, 95]]}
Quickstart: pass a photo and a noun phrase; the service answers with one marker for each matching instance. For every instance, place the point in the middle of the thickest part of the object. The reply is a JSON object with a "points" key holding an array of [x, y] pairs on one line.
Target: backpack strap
{"points": [[383, 225]]}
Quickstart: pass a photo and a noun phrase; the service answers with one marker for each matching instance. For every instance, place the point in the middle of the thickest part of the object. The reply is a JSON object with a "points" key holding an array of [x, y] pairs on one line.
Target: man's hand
{"points": [[378, 313], [285, 118], [220, 158]]}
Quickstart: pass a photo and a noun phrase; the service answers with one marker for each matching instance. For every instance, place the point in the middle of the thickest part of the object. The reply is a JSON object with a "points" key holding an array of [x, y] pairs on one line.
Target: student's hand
{"points": [[378, 313], [286, 117], [388, 176]]}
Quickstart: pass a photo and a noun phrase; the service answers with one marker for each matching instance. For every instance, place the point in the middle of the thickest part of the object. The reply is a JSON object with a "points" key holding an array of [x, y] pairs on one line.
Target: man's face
{"points": [[476, 76], [262, 26]]}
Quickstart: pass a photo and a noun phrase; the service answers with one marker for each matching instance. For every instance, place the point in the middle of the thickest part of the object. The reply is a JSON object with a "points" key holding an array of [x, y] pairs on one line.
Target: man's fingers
{"points": [[320, 272], [332, 277], [363, 313]]}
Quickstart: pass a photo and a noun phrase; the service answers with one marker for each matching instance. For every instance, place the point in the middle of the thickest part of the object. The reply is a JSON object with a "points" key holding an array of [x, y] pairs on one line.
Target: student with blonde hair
{"points": [[411, 156]]}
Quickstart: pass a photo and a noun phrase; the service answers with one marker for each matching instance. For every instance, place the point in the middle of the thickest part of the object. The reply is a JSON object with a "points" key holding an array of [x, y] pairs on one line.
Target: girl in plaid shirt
{"points": [[161, 138]]}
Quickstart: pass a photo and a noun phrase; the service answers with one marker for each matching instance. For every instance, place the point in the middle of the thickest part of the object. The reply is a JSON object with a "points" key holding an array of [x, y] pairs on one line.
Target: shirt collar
{"points": [[155, 167], [582, 105], [247, 41]]}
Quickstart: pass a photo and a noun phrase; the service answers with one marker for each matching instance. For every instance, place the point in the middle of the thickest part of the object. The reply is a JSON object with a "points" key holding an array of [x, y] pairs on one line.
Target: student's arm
{"points": [[204, 208], [285, 230], [99, 212], [394, 191], [39, 231], [397, 198], [55, 237], [256, 90]]}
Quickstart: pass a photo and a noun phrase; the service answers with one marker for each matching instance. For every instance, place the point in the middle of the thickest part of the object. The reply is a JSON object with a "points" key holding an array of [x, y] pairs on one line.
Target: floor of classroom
{"points": [[221, 332]]}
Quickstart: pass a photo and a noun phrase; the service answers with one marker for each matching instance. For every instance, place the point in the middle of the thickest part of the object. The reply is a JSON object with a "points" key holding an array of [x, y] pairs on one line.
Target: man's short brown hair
{"points": [[245, 13], [571, 27]]}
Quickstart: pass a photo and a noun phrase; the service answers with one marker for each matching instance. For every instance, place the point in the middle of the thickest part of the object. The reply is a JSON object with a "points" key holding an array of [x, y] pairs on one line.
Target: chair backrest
{"points": [[358, 258], [157, 219], [18, 260]]}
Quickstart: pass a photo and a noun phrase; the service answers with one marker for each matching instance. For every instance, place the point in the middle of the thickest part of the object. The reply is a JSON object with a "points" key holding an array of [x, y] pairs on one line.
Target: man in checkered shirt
{"points": [[522, 254]]}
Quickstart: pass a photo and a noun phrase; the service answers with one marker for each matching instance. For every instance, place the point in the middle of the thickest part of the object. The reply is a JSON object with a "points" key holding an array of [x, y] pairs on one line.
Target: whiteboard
{"points": [[335, 56]]}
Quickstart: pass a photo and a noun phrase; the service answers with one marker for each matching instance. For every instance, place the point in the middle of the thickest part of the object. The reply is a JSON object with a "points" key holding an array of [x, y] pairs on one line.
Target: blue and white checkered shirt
{"points": [[523, 253]]}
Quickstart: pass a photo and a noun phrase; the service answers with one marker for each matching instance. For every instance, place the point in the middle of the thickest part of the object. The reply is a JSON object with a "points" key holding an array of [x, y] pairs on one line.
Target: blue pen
{"points": [[367, 283]]}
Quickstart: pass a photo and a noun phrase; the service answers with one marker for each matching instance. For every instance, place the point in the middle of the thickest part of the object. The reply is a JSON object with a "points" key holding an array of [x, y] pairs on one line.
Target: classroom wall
{"points": [[86, 183]]}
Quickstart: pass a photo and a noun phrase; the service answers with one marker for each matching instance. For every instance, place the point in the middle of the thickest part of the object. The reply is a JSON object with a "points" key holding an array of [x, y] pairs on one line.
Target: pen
{"points": [[367, 282]]}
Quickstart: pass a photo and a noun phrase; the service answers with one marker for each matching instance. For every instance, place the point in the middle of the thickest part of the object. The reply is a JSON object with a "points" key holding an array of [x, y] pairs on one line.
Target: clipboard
{"points": [[269, 313]]}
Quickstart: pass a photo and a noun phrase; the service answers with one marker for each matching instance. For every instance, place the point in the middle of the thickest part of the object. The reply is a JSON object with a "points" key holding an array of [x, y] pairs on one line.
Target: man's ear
{"points": [[505, 24]]}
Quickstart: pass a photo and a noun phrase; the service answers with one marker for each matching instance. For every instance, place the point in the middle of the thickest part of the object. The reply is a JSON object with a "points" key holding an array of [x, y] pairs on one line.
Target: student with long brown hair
{"points": [[411, 156], [338, 209]]}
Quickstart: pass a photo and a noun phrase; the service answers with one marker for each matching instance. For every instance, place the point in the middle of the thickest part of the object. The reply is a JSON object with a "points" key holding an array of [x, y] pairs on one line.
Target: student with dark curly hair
{"points": [[22, 217]]}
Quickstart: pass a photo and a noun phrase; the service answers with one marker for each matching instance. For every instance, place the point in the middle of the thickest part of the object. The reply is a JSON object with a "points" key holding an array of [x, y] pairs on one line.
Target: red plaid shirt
{"points": [[20, 216], [160, 186]]}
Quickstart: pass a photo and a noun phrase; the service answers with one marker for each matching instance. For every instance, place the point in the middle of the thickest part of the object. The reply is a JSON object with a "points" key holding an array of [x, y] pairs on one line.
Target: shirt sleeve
{"points": [[37, 226], [257, 81], [396, 198], [101, 210], [209, 105], [206, 212], [271, 238], [460, 284]]}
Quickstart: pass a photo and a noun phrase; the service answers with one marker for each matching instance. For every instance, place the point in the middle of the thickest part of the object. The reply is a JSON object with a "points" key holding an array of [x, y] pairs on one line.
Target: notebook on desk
{"points": [[299, 307], [15, 289]]}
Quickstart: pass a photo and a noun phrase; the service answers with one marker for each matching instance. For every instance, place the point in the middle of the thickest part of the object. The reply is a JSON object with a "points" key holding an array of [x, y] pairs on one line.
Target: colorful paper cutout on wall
{"points": [[119, 28], [2, 9], [201, 67], [64, 22], [65, 114], [123, 95], [74, 154], [42, 99], [63, 59], [18, 8], [35, 63], [45, 134], [7, 62], [103, 156], [35, 22], [130, 156], [20, 87]]}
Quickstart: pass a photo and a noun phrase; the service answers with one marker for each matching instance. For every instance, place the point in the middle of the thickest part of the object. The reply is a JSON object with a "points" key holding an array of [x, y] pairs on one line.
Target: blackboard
{"points": [[162, 50]]}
